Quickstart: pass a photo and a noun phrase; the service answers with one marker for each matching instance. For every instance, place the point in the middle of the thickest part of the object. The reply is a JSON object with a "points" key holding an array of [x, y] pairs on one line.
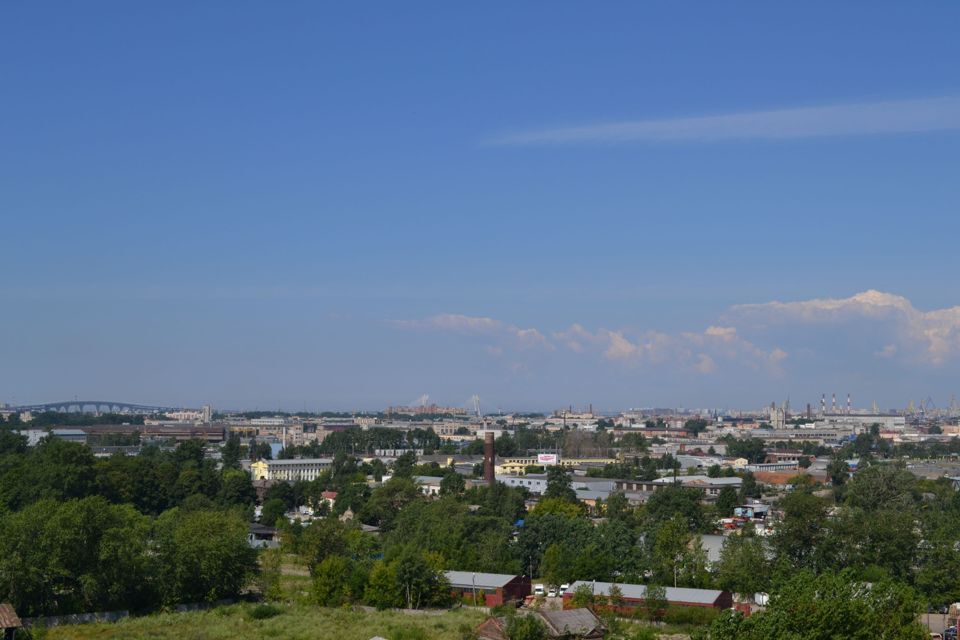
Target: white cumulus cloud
{"points": [[926, 336]]}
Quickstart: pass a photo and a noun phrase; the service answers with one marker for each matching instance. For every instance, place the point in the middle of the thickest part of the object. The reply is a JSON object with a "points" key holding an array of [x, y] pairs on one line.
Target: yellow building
{"points": [[259, 470]]}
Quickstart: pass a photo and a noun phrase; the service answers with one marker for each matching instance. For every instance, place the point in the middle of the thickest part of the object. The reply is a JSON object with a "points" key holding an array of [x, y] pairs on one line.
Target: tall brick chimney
{"points": [[488, 459]]}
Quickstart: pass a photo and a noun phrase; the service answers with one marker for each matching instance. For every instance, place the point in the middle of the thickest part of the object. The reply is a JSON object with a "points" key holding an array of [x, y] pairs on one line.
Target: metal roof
{"points": [[469, 579], [712, 544], [638, 591], [571, 621], [699, 480], [8, 617], [294, 461]]}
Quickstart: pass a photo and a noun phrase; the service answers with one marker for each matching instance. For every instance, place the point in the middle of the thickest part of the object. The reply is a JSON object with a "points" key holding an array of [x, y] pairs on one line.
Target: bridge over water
{"points": [[94, 406]]}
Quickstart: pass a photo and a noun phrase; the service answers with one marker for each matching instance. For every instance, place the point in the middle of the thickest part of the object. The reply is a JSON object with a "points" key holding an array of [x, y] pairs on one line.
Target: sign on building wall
{"points": [[548, 459]]}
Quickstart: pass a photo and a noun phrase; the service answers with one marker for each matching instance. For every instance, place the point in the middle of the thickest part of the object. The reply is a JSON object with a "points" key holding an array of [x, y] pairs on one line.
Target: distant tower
{"points": [[476, 405], [823, 404], [809, 411], [849, 405], [833, 406], [488, 459]]}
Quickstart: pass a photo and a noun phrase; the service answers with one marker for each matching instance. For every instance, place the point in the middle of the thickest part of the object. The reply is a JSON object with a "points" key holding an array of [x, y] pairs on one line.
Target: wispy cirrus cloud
{"points": [[479, 326], [854, 119]]}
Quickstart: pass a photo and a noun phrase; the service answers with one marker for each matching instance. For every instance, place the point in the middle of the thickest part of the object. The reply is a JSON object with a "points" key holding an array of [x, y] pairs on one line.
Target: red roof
{"points": [[332, 495]]}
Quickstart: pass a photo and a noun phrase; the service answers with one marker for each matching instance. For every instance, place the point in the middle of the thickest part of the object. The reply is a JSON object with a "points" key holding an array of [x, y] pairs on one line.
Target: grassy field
{"points": [[296, 622]]}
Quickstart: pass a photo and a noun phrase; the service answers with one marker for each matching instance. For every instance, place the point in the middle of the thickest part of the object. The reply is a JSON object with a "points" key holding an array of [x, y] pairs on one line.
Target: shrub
{"points": [[264, 611], [696, 616], [642, 633], [407, 633]]}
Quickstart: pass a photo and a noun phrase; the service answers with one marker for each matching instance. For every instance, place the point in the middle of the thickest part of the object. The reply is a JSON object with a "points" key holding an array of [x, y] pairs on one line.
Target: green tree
{"points": [[882, 486], [583, 596], [273, 510], [230, 452], [382, 590], [387, 500], [615, 596], [695, 426], [559, 485], [418, 582], [749, 448], [557, 564], [321, 539], [829, 606], [655, 602], [331, 581], [938, 570], [203, 555], [75, 556], [237, 489], [403, 465], [669, 550], [727, 500], [802, 529], [838, 470], [560, 507], [268, 578], [452, 484], [674, 499], [525, 628], [744, 566]]}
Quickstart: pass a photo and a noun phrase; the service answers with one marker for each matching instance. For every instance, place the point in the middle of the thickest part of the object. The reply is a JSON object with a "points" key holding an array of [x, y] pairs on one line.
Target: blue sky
{"points": [[309, 205]]}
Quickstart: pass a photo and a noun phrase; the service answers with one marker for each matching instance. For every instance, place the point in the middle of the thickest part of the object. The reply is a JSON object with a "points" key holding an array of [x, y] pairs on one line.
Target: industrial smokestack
{"points": [[488, 458]]}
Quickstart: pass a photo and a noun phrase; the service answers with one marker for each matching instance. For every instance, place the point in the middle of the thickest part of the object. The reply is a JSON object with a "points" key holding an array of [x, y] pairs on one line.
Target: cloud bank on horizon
{"points": [[760, 337], [866, 118]]}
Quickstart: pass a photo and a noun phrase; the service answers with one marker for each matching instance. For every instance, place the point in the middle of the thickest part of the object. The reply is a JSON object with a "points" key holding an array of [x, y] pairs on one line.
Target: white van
{"points": [[538, 590]]}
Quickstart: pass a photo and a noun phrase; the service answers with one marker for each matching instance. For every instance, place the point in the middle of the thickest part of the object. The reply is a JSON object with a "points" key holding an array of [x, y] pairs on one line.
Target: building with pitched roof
{"points": [[489, 589], [634, 595]]}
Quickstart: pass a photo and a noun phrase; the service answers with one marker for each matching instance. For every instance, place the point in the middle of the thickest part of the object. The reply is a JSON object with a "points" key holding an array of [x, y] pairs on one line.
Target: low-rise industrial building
{"points": [[634, 595], [490, 589]]}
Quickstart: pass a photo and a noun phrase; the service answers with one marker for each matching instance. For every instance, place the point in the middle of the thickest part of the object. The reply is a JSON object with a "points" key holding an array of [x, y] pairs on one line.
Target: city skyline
{"points": [[350, 206]]}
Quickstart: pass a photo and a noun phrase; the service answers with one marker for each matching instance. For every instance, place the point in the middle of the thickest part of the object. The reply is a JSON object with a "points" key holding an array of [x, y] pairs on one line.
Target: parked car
{"points": [[950, 633], [552, 593], [563, 588], [538, 590]]}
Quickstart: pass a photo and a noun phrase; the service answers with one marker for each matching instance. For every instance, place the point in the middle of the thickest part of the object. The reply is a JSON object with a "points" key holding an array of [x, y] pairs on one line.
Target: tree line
{"points": [[124, 532]]}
